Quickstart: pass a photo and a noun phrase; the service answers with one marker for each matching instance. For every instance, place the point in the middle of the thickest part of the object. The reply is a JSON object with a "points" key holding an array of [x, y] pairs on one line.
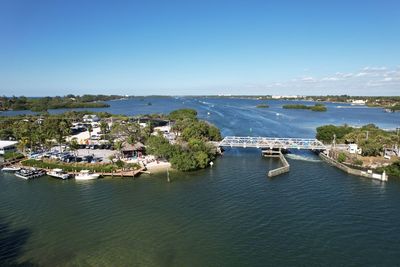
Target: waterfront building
{"points": [[91, 118], [133, 150], [353, 149], [7, 146], [358, 102]]}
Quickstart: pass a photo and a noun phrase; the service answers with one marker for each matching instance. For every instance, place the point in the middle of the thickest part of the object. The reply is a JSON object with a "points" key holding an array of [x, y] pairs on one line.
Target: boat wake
{"points": [[303, 158]]}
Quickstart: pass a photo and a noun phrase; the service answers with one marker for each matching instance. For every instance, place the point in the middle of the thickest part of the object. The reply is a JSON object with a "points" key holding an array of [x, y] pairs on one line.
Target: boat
{"points": [[10, 169], [86, 175], [58, 173], [29, 173]]}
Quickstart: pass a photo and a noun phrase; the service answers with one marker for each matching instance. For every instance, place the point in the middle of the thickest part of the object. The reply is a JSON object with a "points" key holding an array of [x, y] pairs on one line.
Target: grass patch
{"points": [[9, 156]]}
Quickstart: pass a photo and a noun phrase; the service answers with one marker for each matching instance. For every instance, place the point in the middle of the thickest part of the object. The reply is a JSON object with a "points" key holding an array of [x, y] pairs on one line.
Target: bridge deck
{"points": [[272, 143]]}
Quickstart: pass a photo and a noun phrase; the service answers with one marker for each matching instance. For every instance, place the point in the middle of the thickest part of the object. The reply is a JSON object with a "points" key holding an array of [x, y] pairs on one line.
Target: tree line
{"points": [[317, 107], [370, 138], [191, 149], [38, 104]]}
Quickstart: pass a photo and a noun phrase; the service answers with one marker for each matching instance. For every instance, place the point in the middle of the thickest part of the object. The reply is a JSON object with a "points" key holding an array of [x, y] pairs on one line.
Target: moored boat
{"points": [[29, 173], [58, 173], [10, 169], [86, 175]]}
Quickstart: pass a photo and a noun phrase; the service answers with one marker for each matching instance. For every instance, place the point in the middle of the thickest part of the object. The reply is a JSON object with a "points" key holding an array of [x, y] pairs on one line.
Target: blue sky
{"points": [[199, 47]]}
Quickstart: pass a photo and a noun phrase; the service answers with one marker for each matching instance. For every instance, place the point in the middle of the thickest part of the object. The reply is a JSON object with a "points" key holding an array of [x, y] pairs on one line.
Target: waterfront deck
{"points": [[9, 163], [127, 174]]}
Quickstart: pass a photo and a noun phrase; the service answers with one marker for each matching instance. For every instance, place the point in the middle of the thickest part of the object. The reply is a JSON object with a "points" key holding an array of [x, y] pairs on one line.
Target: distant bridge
{"points": [[272, 143]]}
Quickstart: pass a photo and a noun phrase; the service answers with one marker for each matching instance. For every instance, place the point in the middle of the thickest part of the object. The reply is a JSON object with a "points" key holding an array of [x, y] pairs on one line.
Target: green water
{"points": [[228, 215]]}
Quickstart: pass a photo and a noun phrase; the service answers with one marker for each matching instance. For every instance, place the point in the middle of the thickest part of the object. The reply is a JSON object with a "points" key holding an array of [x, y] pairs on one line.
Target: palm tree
{"points": [[22, 144], [74, 146], [90, 129], [118, 145], [104, 127], [62, 131], [49, 144]]}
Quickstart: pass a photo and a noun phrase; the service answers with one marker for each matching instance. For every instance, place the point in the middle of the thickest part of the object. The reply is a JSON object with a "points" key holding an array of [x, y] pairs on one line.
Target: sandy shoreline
{"points": [[161, 166]]}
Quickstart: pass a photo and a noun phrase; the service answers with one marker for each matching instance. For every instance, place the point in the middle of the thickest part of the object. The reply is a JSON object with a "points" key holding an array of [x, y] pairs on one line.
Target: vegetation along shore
{"points": [[316, 107], [366, 147], [106, 143], [57, 102]]}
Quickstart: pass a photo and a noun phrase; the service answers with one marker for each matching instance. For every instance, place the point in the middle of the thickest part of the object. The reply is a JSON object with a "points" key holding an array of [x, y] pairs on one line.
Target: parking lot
{"points": [[102, 154]]}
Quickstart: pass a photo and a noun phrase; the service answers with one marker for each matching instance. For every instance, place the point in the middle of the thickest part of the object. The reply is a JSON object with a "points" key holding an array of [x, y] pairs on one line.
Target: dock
{"points": [[10, 163], [121, 173]]}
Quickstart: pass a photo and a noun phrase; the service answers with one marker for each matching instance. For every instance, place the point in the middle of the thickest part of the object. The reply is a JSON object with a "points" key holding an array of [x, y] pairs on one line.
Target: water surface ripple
{"points": [[228, 215]]}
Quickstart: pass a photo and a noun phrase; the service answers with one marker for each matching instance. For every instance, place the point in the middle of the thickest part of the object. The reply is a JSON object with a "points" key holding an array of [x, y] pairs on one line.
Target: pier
{"points": [[9, 163], [272, 147], [121, 173]]}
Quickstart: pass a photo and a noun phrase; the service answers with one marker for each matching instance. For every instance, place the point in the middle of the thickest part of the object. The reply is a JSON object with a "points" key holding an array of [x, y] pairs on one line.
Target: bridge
{"points": [[269, 145], [272, 143]]}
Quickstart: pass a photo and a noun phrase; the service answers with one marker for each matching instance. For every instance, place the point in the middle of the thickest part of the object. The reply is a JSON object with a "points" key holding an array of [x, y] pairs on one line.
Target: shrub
{"points": [[184, 161], [262, 106], [12, 156], [181, 114], [325, 133], [294, 106], [393, 169], [318, 108], [341, 157]]}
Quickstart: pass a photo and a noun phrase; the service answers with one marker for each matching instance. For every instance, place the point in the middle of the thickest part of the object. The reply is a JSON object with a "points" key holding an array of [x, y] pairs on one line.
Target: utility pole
{"points": [[334, 141]]}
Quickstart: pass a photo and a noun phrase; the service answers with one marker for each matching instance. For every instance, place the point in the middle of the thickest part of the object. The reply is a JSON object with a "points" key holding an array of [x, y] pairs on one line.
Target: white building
{"points": [[353, 149], [284, 97], [91, 118], [358, 102], [7, 146]]}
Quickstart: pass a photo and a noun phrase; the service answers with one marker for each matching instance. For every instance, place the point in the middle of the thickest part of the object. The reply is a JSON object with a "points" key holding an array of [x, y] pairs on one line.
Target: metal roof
{"points": [[4, 143]]}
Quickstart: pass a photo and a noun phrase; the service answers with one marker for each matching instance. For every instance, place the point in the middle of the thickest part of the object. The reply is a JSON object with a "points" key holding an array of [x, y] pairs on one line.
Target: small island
{"points": [[316, 107], [38, 104], [262, 106]]}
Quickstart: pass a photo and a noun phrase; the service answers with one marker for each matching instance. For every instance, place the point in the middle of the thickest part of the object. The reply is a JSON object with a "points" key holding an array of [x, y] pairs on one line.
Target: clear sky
{"points": [[200, 47]]}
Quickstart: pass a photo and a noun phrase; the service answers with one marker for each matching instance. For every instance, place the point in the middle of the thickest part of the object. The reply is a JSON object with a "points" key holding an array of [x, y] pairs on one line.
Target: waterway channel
{"points": [[228, 215]]}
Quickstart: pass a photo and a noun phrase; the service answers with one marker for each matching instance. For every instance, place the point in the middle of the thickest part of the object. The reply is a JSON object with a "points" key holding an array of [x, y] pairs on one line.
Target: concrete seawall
{"points": [[285, 165], [370, 174]]}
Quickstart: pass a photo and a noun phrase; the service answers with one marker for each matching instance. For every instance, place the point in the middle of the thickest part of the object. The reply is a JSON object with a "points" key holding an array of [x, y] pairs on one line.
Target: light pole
{"points": [[334, 141]]}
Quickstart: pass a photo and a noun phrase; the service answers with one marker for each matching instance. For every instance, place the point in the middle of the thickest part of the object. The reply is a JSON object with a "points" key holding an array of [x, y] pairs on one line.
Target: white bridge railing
{"points": [[272, 143]]}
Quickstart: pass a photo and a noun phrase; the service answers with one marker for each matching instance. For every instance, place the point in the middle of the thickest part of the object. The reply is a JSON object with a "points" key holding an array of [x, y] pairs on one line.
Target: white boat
{"points": [[10, 169], [58, 173], [86, 175], [29, 173]]}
